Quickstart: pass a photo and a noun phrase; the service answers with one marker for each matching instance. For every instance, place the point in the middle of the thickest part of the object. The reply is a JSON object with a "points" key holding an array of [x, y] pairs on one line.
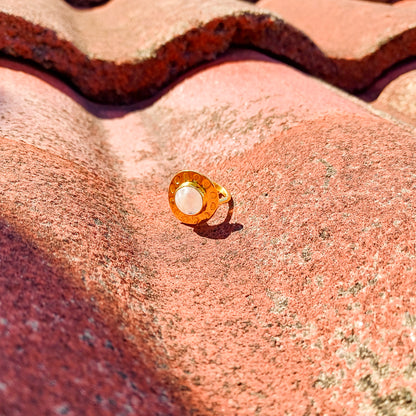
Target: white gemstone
{"points": [[188, 200]]}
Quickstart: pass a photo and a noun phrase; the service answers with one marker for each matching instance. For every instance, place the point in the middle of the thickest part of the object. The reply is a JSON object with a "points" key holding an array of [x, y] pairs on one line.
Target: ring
{"points": [[194, 198]]}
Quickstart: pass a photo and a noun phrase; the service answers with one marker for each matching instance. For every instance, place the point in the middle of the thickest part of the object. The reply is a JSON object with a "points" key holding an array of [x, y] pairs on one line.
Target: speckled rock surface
{"points": [[301, 302]]}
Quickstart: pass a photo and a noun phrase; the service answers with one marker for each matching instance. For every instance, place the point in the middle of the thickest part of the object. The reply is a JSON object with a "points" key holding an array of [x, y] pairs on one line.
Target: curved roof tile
{"points": [[127, 50], [300, 302], [397, 98]]}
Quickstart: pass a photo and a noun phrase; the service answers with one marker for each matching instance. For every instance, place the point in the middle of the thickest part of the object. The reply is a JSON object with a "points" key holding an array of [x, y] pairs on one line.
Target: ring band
{"points": [[222, 191], [194, 198]]}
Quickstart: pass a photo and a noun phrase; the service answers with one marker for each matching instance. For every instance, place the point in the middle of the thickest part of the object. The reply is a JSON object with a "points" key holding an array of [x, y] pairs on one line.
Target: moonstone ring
{"points": [[194, 198]]}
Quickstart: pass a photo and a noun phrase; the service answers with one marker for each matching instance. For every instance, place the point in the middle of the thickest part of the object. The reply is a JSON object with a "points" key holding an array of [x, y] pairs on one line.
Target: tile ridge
{"points": [[126, 81], [132, 77]]}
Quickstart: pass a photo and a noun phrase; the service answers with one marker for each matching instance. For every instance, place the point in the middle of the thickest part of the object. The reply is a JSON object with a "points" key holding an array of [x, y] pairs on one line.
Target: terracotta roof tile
{"points": [[60, 354], [394, 92], [301, 302], [134, 57], [361, 38], [66, 250], [397, 98], [116, 53]]}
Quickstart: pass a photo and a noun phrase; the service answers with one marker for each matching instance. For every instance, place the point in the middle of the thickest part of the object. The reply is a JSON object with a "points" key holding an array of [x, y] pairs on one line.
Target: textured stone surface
{"points": [[302, 302], [124, 50]]}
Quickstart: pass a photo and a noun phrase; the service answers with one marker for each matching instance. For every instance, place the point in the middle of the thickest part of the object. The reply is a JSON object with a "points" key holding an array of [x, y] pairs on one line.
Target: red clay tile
{"points": [[394, 92], [66, 252], [133, 58], [60, 353], [398, 98], [301, 303], [360, 38], [127, 50], [308, 308]]}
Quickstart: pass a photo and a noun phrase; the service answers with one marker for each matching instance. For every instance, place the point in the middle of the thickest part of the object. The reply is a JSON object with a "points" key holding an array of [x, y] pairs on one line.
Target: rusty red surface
{"points": [[299, 301]]}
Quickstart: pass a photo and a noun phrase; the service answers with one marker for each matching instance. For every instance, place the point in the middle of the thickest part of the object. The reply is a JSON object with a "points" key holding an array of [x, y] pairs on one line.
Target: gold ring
{"points": [[194, 198]]}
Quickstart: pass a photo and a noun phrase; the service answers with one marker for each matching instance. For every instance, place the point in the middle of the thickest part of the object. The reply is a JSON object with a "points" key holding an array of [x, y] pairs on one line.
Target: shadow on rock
{"points": [[219, 231]]}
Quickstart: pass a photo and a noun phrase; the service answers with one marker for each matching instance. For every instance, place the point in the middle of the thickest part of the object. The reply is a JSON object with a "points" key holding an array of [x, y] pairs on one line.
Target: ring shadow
{"points": [[219, 231]]}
